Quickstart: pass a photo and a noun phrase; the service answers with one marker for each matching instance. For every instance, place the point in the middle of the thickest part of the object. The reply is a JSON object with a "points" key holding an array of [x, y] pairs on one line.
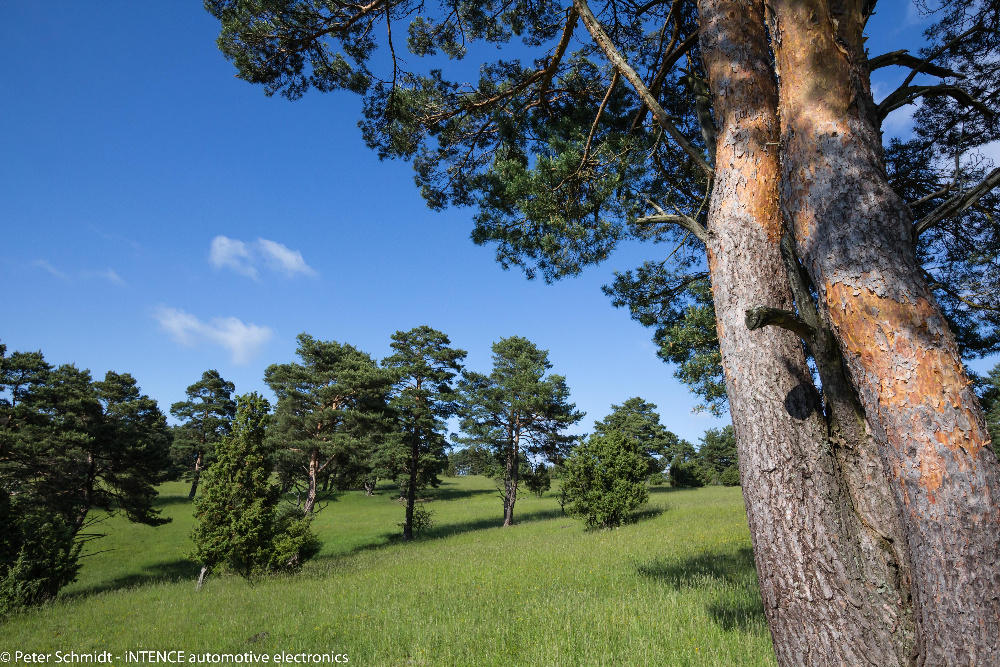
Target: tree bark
{"points": [[411, 489], [510, 483], [313, 474], [832, 590], [855, 237], [195, 477]]}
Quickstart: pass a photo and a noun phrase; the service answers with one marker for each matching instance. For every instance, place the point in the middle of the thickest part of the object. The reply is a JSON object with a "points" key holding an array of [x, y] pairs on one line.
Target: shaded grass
{"points": [[675, 587]]}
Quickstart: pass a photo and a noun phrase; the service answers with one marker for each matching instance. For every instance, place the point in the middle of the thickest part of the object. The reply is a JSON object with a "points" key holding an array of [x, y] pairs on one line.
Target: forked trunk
{"points": [[510, 487], [832, 591], [855, 237]]}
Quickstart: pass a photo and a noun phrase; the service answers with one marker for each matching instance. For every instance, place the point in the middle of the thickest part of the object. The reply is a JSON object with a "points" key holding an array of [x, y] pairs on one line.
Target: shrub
{"points": [[686, 474], [605, 480], [730, 476], [38, 556]]}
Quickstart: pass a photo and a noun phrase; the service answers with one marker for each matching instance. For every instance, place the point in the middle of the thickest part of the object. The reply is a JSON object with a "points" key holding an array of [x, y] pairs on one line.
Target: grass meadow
{"points": [[675, 587]]}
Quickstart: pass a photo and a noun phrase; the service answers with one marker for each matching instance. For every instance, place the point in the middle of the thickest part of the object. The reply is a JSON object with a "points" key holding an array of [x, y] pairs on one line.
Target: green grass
{"points": [[676, 587]]}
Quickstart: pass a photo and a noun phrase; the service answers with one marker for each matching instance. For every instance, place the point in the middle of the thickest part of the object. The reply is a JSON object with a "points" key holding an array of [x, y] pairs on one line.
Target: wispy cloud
{"points": [[244, 258], [244, 341], [230, 253], [282, 258], [47, 266], [107, 274]]}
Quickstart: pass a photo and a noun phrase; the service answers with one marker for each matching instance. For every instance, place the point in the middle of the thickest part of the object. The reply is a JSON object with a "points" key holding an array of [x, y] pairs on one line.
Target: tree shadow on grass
{"points": [[728, 582], [170, 572], [442, 531]]}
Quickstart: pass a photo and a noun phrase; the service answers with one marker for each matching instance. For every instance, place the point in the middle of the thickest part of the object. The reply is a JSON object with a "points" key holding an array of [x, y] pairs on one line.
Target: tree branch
{"points": [[762, 316], [550, 70], [690, 224], [904, 59], [617, 60], [907, 94], [957, 204]]}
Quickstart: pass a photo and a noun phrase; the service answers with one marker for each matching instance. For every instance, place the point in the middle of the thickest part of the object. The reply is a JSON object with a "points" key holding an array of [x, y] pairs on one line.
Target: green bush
{"points": [[686, 474], [730, 476], [605, 480], [38, 556]]}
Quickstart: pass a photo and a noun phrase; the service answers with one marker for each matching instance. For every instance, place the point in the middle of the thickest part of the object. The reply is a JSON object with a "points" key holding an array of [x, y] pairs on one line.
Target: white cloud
{"points": [[234, 254], [108, 274], [244, 258], [47, 266], [282, 258], [244, 341]]}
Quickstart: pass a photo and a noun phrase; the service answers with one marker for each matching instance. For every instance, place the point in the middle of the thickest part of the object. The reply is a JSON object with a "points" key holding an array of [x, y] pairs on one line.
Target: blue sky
{"points": [[160, 217]]}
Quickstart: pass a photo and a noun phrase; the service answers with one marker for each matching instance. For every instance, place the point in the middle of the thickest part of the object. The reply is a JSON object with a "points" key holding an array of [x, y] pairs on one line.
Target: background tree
{"points": [[205, 418], [638, 419], [605, 479], [537, 478], [69, 445], [424, 366], [329, 406], [718, 453], [517, 411], [563, 158], [239, 526], [474, 460]]}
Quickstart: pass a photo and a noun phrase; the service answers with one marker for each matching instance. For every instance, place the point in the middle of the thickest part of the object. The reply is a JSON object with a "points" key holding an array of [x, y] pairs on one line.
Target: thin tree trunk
{"points": [[812, 549], [313, 473], [195, 476], [855, 237], [510, 486], [411, 490]]}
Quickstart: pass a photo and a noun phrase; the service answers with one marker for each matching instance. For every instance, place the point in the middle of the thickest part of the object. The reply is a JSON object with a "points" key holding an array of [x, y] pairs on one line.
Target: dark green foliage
{"points": [[331, 416], [239, 527], [686, 473], [638, 420], [730, 476], [988, 389], [475, 460], [517, 411], [537, 479], [605, 479], [424, 366], [69, 445], [38, 555], [718, 451], [205, 418]]}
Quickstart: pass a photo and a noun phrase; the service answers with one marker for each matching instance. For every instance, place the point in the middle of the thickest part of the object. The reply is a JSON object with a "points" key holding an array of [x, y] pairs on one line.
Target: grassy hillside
{"points": [[677, 587]]}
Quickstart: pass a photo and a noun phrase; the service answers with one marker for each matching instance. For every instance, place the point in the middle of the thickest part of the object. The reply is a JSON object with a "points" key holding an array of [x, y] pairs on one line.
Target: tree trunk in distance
{"points": [[810, 545], [411, 490], [855, 237], [313, 474], [195, 477]]}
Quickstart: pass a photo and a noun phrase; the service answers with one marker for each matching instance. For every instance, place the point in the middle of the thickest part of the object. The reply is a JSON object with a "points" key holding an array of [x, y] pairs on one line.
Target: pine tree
{"points": [[424, 364], [516, 411], [331, 412], [205, 418], [68, 446]]}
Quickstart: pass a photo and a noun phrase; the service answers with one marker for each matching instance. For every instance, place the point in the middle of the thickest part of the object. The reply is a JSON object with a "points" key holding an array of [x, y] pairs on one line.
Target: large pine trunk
{"points": [[855, 237], [830, 577]]}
